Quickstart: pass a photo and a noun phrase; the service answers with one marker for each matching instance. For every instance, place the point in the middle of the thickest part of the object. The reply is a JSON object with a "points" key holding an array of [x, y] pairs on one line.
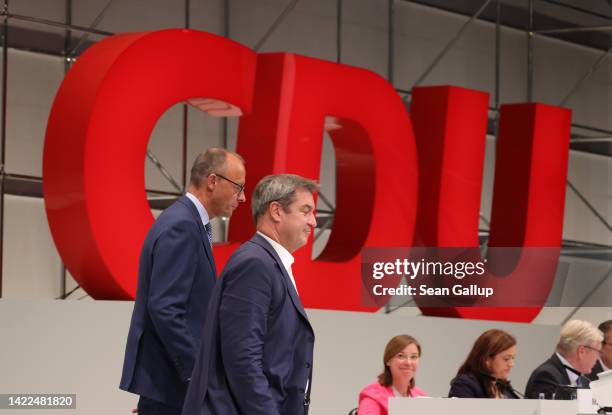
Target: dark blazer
{"points": [[545, 378], [598, 368], [175, 279], [472, 385], [258, 355]]}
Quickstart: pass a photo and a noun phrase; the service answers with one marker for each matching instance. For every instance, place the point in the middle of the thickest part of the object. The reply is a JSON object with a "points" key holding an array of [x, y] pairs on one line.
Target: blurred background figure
{"points": [[486, 370], [605, 359], [401, 362]]}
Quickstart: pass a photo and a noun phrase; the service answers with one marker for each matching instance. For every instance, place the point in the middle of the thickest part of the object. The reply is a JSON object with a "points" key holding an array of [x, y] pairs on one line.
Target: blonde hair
{"points": [[576, 333]]}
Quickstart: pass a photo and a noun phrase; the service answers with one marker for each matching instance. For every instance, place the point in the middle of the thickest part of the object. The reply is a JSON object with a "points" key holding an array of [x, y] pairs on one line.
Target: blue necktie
{"points": [[209, 233]]}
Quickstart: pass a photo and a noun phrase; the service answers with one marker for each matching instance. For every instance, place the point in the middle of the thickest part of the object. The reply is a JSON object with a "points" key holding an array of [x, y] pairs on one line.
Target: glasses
{"points": [[403, 357], [592, 348], [239, 187]]}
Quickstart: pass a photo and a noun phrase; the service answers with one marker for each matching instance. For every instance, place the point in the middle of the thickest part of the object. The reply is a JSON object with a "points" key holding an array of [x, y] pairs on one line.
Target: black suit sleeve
{"points": [[541, 381], [243, 317], [174, 268], [596, 369], [465, 387]]}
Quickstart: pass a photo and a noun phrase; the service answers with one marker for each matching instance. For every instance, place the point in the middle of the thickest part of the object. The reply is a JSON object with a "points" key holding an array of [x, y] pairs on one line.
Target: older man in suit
{"points": [[257, 357], [176, 277], [577, 351], [605, 360]]}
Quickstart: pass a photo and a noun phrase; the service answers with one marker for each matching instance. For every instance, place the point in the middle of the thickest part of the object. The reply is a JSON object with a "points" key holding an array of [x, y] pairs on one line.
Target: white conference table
{"points": [[447, 406]]}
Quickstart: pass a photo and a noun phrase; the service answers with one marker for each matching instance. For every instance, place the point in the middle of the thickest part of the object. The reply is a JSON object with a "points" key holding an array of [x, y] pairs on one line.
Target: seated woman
{"points": [[484, 374], [401, 361]]}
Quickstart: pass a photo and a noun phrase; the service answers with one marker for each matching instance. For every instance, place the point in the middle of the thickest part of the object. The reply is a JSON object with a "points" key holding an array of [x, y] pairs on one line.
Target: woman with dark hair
{"points": [[401, 361], [484, 374]]}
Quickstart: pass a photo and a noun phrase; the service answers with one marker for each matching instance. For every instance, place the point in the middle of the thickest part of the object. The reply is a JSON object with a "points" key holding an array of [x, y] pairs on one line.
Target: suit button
{"points": [[307, 365]]}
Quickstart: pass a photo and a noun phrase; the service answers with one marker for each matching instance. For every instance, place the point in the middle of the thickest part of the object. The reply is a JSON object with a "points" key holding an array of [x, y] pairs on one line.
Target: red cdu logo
{"points": [[400, 180]]}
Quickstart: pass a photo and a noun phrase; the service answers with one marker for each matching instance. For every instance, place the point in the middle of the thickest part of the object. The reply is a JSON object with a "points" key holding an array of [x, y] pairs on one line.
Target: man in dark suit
{"points": [[257, 357], [577, 351], [605, 360], [176, 277]]}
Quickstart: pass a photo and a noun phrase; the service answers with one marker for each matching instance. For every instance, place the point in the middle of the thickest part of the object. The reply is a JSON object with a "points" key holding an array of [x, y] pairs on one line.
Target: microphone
{"points": [[559, 385], [581, 378], [569, 392], [506, 384]]}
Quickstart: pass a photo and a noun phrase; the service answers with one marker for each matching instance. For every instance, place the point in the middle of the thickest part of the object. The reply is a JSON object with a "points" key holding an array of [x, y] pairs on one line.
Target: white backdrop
{"points": [[77, 347]]}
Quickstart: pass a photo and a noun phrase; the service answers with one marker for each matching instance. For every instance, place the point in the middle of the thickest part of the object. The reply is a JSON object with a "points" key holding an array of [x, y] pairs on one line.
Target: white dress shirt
{"points": [[200, 207], [284, 255], [572, 376]]}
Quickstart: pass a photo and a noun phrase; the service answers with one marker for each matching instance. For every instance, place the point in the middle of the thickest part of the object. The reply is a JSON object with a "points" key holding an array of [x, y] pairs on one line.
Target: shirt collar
{"points": [[284, 255], [200, 208], [572, 376]]}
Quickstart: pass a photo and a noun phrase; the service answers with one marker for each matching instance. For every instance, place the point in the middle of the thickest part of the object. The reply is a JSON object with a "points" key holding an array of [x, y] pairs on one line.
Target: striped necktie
{"points": [[208, 229]]}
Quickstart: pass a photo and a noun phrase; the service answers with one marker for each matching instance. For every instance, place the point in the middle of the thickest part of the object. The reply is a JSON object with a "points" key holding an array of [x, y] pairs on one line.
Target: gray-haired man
{"points": [[605, 358], [257, 357], [577, 351]]}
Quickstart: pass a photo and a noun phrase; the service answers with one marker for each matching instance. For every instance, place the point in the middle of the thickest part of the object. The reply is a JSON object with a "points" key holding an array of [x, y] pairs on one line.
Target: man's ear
{"points": [[211, 182], [275, 208]]}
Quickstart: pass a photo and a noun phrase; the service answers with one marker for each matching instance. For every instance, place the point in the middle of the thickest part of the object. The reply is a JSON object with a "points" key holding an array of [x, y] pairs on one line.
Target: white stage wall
{"points": [[77, 347]]}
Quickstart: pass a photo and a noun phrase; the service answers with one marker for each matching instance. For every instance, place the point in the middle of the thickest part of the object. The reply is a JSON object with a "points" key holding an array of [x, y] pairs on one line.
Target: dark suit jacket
{"points": [[545, 378], [175, 279], [258, 354], [598, 368], [471, 385]]}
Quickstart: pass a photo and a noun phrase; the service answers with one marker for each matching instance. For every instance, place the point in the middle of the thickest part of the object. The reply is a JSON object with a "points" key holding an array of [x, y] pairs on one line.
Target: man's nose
{"points": [[313, 221]]}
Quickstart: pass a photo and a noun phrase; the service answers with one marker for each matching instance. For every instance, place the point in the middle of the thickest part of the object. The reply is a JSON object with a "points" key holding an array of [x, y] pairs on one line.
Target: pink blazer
{"points": [[374, 398]]}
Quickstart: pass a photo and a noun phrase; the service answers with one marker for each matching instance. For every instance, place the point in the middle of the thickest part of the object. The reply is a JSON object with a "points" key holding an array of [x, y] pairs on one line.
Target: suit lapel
{"points": [[196, 216], [559, 365], [295, 298]]}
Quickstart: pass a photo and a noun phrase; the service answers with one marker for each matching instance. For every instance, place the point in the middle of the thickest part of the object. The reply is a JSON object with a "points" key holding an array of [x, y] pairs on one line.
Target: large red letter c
{"points": [[97, 135]]}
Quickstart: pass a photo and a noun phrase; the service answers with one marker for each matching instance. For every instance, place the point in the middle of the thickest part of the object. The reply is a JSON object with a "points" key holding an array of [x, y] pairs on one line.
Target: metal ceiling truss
{"points": [[69, 53]]}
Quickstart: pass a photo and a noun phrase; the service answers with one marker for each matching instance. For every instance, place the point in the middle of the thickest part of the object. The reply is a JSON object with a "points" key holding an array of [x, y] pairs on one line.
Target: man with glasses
{"points": [[176, 277], [605, 360], [578, 349], [257, 357]]}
